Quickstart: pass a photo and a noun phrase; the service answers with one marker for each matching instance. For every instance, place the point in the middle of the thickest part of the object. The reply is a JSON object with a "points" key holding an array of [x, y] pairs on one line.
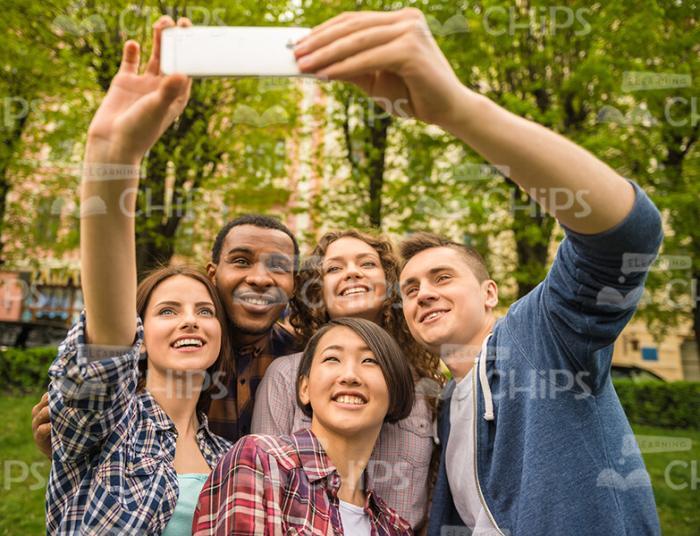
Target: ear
{"points": [[211, 272], [490, 290], [304, 390]]}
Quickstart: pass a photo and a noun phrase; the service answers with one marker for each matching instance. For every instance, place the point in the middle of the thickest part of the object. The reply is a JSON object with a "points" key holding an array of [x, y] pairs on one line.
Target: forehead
{"points": [[341, 336], [420, 264], [349, 247], [258, 239], [180, 288]]}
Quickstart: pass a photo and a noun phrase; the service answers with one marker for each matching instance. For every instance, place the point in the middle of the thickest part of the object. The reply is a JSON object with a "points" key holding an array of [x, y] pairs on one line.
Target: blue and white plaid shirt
{"points": [[113, 448]]}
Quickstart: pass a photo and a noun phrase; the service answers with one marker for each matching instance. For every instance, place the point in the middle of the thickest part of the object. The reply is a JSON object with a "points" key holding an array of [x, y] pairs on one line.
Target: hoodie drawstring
{"points": [[483, 381]]}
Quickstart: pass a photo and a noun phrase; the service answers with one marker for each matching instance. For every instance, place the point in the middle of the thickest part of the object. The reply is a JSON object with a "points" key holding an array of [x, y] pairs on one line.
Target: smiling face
{"points": [[254, 277], [354, 282], [181, 330], [443, 301], [345, 387]]}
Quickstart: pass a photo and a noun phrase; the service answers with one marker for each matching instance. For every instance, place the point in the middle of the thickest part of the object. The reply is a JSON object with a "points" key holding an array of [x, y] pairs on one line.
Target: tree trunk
{"points": [[696, 311], [532, 228], [377, 164], [12, 144], [152, 249]]}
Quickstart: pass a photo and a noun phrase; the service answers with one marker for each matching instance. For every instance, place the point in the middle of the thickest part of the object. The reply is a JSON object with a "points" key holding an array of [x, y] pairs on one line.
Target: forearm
{"points": [[582, 192], [107, 247]]}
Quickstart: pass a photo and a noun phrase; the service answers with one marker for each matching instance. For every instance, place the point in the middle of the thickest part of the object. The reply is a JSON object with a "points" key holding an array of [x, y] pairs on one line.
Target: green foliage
{"points": [[25, 370], [235, 148], [670, 405]]}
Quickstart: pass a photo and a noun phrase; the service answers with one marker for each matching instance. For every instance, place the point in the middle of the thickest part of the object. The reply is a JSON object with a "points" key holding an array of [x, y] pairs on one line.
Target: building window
{"points": [[635, 345], [650, 354]]}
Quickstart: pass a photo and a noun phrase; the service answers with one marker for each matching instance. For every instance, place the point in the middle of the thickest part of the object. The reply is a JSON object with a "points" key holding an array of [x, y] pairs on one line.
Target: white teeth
{"points": [[348, 399], [357, 290], [188, 342], [433, 315], [256, 301]]}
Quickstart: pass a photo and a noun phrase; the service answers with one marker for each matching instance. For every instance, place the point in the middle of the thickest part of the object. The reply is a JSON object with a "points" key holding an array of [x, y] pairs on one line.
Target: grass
{"points": [[25, 471], [679, 509]]}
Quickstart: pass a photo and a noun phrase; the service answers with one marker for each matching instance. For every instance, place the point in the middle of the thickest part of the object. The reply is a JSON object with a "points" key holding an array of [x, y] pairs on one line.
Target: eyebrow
{"points": [[279, 256], [338, 347], [251, 252], [432, 271], [240, 249], [177, 303], [359, 256]]}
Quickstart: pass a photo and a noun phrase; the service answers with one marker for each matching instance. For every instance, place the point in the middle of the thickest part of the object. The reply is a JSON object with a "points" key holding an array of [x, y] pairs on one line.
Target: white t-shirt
{"points": [[459, 459], [355, 520]]}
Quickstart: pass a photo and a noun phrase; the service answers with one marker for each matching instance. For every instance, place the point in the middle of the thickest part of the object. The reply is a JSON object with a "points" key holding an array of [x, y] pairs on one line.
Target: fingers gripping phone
{"points": [[207, 51]]}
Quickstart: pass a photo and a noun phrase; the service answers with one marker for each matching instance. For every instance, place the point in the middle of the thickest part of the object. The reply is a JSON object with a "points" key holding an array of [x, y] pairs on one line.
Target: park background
{"points": [[617, 77]]}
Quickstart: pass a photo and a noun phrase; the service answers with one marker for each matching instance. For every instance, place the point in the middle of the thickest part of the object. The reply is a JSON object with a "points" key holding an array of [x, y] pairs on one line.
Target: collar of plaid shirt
{"points": [[317, 465], [162, 422]]}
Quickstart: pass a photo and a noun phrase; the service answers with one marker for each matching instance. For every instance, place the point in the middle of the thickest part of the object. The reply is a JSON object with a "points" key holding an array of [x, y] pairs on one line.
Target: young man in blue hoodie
{"points": [[534, 439]]}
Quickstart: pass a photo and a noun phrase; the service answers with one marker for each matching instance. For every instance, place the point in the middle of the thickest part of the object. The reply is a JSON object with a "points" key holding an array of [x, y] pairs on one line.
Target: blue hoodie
{"points": [[555, 453]]}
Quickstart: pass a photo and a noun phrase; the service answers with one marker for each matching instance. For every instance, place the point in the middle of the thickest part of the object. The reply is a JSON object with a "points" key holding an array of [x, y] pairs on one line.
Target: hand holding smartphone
{"points": [[210, 51]]}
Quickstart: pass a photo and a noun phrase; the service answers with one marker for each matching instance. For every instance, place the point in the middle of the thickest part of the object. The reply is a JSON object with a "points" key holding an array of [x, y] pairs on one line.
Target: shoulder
{"points": [[282, 341], [267, 449], [285, 366]]}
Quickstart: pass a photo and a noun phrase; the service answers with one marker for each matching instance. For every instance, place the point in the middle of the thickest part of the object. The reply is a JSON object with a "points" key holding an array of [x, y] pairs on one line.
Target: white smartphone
{"points": [[203, 51]]}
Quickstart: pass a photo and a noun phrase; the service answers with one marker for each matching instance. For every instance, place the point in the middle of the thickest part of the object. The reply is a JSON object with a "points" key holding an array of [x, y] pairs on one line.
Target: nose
{"points": [[352, 271], [189, 319], [426, 295], [259, 276], [348, 373]]}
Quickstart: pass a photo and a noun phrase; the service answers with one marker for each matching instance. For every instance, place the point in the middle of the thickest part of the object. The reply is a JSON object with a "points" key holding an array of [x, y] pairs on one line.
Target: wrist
{"points": [[103, 161], [98, 151], [466, 107]]}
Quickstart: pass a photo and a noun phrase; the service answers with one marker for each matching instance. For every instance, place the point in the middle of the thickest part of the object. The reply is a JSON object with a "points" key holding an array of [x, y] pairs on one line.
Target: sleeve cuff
{"points": [[638, 233]]}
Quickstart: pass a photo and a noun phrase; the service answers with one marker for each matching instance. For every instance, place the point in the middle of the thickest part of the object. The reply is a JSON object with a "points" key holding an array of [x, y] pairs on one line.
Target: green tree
{"points": [[207, 137], [29, 58]]}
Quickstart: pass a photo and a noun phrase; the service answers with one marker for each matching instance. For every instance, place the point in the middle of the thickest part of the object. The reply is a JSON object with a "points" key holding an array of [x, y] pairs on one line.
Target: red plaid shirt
{"points": [[279, 485]]}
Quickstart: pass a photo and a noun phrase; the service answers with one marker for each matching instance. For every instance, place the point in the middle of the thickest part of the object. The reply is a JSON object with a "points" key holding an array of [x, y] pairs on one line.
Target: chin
{"points": [[191, 363], [254, 327], [345, 429]]}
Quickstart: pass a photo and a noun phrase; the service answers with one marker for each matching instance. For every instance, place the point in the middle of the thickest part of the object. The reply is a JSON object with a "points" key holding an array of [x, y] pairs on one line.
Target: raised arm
{"points": [[393, 57], [94, 376], [133, 115]]}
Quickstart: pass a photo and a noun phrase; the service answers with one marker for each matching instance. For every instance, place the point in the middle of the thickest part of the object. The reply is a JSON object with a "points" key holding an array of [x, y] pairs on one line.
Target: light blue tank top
{"points": [[190, 486]]}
